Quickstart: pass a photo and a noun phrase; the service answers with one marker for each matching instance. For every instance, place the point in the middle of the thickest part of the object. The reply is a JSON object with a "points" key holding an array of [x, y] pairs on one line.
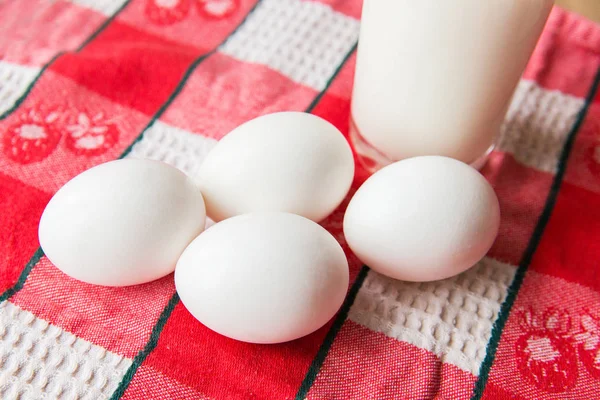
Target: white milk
{"points": [[435, 77]]}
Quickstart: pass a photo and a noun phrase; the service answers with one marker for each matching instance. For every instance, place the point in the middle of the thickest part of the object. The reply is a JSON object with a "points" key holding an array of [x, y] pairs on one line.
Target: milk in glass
{"points": [[435, 77]]}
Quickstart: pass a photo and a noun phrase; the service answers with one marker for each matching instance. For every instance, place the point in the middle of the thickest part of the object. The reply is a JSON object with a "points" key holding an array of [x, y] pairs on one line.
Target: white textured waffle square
{"points": [[537, 125], [40, 360], [177, 147], [451, 318], [304, 40], [14, 82], [106, 7]]}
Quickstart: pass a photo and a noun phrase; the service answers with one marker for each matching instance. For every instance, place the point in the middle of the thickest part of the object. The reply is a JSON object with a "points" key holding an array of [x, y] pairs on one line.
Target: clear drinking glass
{"points": [[435, 77]]}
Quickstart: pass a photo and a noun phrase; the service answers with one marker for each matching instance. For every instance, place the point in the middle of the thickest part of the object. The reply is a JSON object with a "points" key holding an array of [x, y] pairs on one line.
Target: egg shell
{"points": [[422, 219], [263, 277], [122, 223], [288, 161]]}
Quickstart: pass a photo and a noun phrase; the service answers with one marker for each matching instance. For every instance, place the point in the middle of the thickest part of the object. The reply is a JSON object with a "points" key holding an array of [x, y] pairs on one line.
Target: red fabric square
{"points": [[223, 92], [129, 67], [118, 319], [550, 344], [456, 383], [63, 114], [190, 23], [148, 384], [20, 207], [567, 55], [493, 392], [584, 162], [570, 246], [65, 26], [363, 364], [222, 368], [522, 193], [335, 110]]}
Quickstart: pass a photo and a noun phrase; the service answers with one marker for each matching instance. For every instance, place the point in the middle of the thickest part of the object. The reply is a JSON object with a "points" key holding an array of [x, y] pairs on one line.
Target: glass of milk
{"points": [[435, 77]]}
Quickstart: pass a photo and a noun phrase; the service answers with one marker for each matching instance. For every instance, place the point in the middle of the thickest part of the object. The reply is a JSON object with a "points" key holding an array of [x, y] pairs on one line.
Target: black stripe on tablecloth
{"points": [[150, 345], [102, 27], [317, 99], [23, 276], [534, 241], [321, 355]]}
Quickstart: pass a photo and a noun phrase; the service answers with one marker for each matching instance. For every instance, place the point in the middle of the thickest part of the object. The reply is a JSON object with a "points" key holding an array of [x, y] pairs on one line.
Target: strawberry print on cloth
{"points": [[546, 355], [554, 351], [167, 12], [91, 135], [217, 8], [589, 344], [33, 137]]}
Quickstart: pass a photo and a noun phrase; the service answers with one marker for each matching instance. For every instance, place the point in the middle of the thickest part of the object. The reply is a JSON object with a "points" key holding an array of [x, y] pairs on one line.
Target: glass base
{"points": [[373, 160]]}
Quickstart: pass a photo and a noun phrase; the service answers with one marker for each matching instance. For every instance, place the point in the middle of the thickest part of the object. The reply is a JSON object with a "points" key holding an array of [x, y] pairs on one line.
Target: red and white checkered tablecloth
{"points": [[87, 81]]}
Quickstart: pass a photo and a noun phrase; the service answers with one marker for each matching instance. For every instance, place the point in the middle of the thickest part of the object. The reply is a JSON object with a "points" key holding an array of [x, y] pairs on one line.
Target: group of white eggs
{"points": [[267, 272]]}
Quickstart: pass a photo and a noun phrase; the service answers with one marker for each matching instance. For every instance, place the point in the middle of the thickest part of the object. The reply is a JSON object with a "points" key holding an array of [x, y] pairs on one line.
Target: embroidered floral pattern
{"points": [[546, 356], [168, 12], [33, 137], [548, 352], [217, 9], [589, 344], [91, 136], [38, 132]]}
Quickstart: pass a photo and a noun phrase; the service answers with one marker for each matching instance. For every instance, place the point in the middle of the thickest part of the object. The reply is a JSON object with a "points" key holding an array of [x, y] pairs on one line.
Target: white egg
{"points": [[422, 219], [263, 277], [289, 161], [122, 223]]}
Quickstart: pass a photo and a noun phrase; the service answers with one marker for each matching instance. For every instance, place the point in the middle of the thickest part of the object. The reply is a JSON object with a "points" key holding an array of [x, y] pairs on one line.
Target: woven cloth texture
{"points": [[83, 82]]}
